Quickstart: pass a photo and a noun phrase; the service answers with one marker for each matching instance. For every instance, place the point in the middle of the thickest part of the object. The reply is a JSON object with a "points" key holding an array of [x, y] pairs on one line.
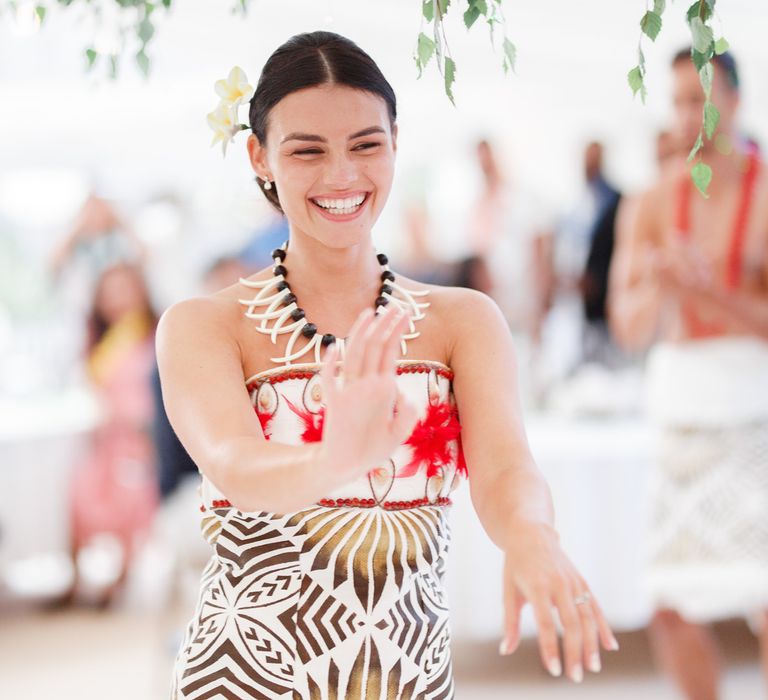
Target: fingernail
{"points": [[504, 647], [577, 674], [555, 668], [613, 645], [594, 663]]}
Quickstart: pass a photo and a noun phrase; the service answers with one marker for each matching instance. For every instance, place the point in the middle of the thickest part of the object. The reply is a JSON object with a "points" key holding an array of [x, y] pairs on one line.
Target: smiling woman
{"points": [[325, 496]]}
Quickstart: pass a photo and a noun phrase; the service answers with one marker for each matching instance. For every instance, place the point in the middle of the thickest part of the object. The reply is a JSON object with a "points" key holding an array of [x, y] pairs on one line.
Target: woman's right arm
{"points": [[209, 408]]}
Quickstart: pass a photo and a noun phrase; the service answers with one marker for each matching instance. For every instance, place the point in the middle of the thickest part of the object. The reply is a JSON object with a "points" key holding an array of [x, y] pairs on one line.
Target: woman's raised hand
{"points": [[366, 416]]}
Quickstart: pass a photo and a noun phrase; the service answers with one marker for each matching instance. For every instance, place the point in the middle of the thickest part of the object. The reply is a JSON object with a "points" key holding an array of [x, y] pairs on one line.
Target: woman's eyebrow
{"points": [[298, 136]]}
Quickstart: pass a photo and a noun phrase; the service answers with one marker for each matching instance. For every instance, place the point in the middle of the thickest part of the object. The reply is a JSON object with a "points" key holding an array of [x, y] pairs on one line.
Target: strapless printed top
{"points": [[422, 471]]}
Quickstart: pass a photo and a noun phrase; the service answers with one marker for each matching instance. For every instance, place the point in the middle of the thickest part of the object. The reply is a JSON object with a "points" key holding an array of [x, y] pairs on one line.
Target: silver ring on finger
{"points": [[582, 599]]}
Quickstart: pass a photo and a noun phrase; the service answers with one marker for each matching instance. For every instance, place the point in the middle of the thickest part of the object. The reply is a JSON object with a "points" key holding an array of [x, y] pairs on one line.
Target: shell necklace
{"points": [[281, 308]]}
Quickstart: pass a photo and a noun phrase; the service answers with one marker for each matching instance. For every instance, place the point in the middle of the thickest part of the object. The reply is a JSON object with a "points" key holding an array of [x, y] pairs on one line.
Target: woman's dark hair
{"points": [[97, 324], [307, 60]]}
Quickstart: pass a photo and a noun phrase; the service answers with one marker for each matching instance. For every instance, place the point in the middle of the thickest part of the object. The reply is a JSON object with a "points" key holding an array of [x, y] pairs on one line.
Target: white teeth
{"points": [[341, 206]]}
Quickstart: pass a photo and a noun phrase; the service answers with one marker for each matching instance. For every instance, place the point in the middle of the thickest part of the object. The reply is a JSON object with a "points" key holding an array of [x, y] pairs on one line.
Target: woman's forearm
{"points": [[259, 475], [511, 496]]}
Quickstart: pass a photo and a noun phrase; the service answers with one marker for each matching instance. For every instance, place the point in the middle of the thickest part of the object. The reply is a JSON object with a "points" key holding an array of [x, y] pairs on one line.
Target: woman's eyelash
{"points": [[359, 147]]}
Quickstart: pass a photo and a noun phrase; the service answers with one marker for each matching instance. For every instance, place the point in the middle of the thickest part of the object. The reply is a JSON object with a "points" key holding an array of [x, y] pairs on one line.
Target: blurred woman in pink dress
{"points": [[114, 493]]}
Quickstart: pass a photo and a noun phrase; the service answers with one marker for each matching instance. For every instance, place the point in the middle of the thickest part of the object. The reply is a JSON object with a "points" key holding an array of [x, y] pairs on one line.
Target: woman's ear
{"points": [[257, 154]]}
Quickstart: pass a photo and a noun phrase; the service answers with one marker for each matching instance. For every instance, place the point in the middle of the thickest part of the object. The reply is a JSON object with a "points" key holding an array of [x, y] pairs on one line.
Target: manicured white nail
{"points": [[577, 674], [613, 645], [594, 663], [555, 668], [503, 647]]}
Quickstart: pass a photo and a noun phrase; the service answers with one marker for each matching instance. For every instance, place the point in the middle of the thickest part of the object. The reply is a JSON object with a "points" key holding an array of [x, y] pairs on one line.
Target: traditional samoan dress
{"points": [[344, 598], [708, 554]]}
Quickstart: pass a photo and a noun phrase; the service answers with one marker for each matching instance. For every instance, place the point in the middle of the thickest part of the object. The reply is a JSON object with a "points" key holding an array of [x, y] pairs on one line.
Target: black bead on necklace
{"points": [[310, 329]]}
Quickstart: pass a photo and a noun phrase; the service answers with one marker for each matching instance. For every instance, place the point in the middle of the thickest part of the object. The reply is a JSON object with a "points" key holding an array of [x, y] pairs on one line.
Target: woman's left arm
{"points": [[511, 497]]}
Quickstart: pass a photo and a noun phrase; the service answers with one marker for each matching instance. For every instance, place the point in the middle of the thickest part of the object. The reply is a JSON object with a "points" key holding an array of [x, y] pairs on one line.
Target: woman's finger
{"points": [[572, 632], [607, 638], [513, 605], [548, 649], [328, 373], [391, 348], [582, 597], [354, 346], [375, 339]]}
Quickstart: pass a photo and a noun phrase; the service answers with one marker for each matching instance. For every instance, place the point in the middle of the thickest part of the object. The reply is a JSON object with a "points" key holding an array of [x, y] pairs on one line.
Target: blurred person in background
{"points": [[618, 213], [98, 238], [114, 491], [693, 285], [506, 231]]}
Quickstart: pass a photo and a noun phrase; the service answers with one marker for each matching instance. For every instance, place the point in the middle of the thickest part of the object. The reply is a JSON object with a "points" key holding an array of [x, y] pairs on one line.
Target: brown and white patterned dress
{"points": [[345, 598]]}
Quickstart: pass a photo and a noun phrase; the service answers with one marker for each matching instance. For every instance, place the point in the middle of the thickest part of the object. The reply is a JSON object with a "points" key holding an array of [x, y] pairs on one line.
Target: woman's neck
{"points": [[349, 275]]}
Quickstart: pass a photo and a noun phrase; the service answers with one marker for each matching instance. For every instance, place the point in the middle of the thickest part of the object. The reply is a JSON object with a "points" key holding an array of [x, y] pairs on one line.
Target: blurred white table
{"points": [[41, 438], [597, 470]]}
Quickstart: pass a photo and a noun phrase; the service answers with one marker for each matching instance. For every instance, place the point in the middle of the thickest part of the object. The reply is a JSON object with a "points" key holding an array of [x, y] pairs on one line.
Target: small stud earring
{"points": [[267, 184]]}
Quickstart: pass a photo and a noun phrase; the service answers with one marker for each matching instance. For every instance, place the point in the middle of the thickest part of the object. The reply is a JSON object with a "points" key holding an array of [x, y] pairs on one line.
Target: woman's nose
{"points": [[341, 172]]}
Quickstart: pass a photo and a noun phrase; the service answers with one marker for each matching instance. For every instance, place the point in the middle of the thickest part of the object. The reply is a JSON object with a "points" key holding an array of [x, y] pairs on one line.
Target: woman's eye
{"points": [[366, 146], [307, 152]]}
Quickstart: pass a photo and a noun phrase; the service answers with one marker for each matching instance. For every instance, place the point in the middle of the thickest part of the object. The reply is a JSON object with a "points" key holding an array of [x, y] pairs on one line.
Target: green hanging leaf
{"points": [[113, 66], [711, 118], [635, 79], [91, 55], [510, 55], [703, 38], [659, 6], [701, 174], [450, 77], [40, 12], [146, 30], [481, 5], [696, 148], [424, 51], [721, 46], [470, 16], [428, 10], [651, 24], [699, 59], [699, 9], [705, 78], [143, 62]]}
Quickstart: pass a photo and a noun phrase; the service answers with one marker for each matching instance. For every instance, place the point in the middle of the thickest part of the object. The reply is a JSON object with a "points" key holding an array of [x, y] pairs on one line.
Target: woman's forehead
{"points": [[328, 111]]}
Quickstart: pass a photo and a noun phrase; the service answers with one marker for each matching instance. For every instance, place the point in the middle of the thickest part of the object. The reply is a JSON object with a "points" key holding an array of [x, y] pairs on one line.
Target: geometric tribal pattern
{"points": [[323, 603]]}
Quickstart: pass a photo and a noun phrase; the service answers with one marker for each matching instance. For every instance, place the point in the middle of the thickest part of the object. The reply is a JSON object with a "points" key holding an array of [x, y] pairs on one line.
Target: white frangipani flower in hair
{"points": [[235, 87], [223, 121], [233, 91]]}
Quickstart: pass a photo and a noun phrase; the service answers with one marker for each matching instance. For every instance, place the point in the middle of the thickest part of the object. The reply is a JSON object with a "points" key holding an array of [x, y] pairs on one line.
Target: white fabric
{"points": [[713, 382]]}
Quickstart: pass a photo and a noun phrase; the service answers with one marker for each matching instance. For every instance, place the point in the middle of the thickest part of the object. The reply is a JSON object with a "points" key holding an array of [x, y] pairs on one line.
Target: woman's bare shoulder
{"points": [[457, 312], [449, 302]]}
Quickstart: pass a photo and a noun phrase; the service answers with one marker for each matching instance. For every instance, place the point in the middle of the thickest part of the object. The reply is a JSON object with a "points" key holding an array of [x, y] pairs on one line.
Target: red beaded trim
{"points": [[358, 503], [387, 505], [308, 374], [409, 369]]}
